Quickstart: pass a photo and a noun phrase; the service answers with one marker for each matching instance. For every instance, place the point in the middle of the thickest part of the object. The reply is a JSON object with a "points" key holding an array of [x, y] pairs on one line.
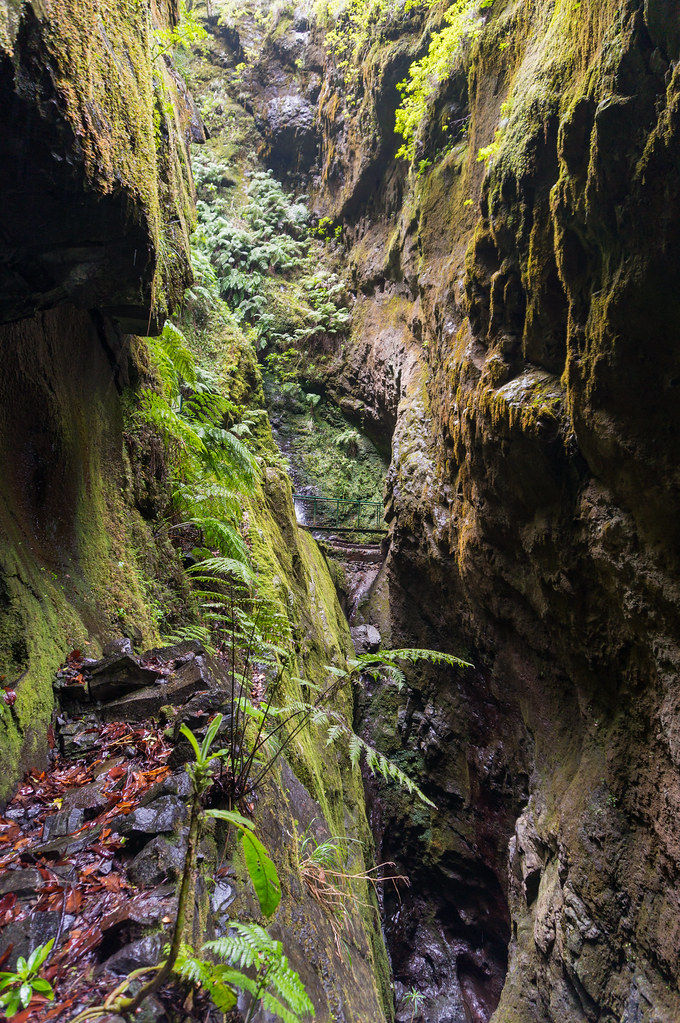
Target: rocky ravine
{"points": [[515, 328], [96, 171]]}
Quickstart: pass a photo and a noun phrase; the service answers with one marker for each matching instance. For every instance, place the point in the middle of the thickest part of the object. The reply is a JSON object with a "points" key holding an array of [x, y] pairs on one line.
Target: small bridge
{"points": [[339, 515]]}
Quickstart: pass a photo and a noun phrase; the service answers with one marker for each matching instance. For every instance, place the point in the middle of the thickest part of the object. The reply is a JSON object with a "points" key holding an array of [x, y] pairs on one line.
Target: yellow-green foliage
{"points": [[356, 23], [463, 24]]}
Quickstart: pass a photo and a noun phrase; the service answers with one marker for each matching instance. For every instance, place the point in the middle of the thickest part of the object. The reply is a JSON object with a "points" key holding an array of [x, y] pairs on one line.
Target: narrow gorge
{"points": [[340, 517]]}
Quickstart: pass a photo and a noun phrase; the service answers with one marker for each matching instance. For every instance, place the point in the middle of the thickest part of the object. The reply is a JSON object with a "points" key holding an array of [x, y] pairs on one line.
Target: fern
{"points": [[337, 729], [211, 465], [249, 947], [268, 253], [413, 655], [198, 633]]}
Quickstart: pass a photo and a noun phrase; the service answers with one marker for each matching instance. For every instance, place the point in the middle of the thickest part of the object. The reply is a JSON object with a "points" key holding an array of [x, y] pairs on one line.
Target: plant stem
{"points": [[258, 994], [127, 1006]]}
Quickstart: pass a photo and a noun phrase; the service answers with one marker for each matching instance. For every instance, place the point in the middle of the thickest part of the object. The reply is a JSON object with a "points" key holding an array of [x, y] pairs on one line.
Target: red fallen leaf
{"points": [[10, 697], [50, 737], [74, 901], [58, 1009], [126, 807], [25, 1015], [75, 655], [6, 954], [114, 883], [7, 902], [77, 680], [81, 941]]}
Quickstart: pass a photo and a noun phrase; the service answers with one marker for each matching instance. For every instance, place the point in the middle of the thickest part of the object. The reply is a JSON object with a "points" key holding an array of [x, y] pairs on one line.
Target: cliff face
{"points": [[515, 327], [514, 344], [95, 245], [98, 208]]}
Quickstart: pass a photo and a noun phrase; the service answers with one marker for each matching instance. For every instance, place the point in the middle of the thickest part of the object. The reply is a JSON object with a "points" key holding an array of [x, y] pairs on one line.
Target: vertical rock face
{"points": [[95, 170], [533, 373], [97, 211]]}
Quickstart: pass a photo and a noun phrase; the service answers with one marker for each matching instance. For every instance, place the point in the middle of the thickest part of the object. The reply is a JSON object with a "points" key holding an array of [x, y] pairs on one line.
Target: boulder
{"points": [[161, 816], [79, 737], [88, 799], [160, 860], [118, 647], [174, 689], [23, 936], [178, 652], [64, 823], [144, 952], [58, 846], [366, 639], [290, 132], [21, 882], [119, 674]]}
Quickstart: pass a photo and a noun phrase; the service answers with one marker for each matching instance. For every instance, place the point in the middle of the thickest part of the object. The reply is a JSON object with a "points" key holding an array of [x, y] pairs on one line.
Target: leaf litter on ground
{"points": [[83, 879]]}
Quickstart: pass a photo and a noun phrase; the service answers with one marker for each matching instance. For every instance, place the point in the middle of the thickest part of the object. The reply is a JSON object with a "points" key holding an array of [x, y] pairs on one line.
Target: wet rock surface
{"points": [[92, 851], [134, 688], [511, 335]]}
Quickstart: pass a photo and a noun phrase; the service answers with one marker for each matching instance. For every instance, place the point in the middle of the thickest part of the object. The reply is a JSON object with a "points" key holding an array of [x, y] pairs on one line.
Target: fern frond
{"points": [[412, 655]]}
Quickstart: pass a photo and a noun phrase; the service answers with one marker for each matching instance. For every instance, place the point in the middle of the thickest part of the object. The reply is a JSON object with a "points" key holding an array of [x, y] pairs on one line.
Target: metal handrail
{"points": [[369, 514]]}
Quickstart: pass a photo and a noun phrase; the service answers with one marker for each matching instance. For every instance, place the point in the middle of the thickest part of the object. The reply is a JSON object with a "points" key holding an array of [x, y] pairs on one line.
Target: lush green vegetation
{"points": [[324, 452], [274, 985], [266, 265], [19, 986], [464, 22], [354, 24], [203, 432]]}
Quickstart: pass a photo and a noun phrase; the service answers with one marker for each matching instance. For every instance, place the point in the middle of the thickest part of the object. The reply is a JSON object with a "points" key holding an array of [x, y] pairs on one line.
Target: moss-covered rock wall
{"points": [[98, 209], [534, 488]]}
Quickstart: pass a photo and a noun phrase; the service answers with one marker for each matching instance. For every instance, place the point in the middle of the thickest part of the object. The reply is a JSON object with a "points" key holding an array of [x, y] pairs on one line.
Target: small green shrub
{"points": [[18, 987], [188, 34]]}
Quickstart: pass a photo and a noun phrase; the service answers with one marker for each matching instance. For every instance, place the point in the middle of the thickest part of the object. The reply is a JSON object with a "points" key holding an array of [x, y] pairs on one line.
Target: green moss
{"points": [[73, 549], [128, 118]]}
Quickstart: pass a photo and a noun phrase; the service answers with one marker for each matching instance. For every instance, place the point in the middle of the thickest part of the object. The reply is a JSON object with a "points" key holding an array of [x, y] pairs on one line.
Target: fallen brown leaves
{"points": [[82, 881]]}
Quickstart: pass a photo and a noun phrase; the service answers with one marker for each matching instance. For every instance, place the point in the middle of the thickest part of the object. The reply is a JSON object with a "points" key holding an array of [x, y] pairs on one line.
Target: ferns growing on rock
{"points": [[270, 981], [211, 467], [266, 268]]}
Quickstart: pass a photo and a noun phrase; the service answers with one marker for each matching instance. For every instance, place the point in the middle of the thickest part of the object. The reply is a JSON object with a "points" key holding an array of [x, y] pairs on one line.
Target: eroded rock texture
{"points": [[531, 374], [95, 242]]}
